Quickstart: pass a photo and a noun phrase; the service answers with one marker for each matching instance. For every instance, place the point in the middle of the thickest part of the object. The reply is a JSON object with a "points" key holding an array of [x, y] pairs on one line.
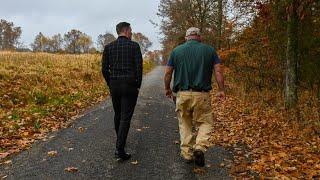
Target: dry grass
{"points": [[41, 92]]}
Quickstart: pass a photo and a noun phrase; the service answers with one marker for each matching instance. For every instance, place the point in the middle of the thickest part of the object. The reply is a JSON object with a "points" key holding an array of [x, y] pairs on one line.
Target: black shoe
{"points": [[198, 158], [122, 155]]}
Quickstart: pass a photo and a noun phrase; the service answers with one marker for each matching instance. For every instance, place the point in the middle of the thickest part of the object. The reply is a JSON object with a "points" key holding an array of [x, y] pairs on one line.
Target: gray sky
{"points": [[93, 17]]}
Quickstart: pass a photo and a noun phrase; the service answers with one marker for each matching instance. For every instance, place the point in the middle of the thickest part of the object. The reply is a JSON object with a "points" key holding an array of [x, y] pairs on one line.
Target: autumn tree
{"points": [[219, 24], [104, 39], [154, 56], [85, 43], [9, 35], [56, 43], [178, 16], [77, 41], [43, 43], [40, 43], [291, 96], [143, 41]]}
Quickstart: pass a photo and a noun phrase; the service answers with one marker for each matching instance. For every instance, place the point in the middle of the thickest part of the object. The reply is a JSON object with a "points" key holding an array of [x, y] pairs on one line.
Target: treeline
{"points": [[279, 50], [272, 45], [74, 41]]}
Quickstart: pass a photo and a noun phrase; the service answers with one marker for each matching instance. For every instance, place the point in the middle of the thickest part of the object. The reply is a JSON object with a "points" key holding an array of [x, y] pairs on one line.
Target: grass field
{"points": [[42, 92]]}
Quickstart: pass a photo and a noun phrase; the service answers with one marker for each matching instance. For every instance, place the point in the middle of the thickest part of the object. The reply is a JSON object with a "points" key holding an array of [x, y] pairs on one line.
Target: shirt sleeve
{"points": [[139, 64], [170, 60], [105, 65], [215, 58]]}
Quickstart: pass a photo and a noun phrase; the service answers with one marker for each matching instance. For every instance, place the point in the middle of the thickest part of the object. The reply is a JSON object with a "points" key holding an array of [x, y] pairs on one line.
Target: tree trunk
{"points": [[219, 26], [291, 96]]}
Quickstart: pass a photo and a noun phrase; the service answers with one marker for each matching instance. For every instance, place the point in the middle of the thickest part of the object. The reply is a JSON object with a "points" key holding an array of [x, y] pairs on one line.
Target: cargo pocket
{"points": [[178, 103]]}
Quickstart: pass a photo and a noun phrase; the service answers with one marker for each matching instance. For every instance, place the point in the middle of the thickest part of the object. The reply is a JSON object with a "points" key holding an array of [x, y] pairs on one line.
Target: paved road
{"points": [[151, 141]]}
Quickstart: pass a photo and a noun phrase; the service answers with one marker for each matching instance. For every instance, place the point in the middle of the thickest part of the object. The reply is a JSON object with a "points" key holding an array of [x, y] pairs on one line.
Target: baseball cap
{"points": [[193, 31]]}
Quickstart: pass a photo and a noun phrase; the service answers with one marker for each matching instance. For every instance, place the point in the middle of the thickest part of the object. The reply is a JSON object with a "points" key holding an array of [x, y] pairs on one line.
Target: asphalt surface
{"points": [[151, 141]]}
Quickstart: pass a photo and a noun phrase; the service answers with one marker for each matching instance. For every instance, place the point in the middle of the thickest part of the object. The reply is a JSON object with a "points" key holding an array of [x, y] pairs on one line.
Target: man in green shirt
{"points": [[192, 64]]}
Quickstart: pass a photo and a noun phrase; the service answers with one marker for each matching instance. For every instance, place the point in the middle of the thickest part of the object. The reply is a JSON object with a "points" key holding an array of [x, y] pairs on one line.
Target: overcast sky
{"points": [[93, 17]]}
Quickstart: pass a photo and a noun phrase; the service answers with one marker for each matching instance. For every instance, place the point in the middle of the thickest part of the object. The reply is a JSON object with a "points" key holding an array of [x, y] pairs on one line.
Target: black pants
{"points": [[124, 98]]}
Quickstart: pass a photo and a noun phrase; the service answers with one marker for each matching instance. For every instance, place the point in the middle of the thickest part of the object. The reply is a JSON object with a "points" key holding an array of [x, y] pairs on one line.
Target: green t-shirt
{"points": [[193, 64]]}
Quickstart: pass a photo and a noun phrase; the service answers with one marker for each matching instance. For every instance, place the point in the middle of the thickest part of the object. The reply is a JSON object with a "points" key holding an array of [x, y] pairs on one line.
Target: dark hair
{"points": [[122, 26]]}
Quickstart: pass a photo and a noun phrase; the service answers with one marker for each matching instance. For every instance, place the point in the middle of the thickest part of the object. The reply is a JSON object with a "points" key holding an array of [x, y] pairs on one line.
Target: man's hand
{"points": [[167, 81], [219, 77], [168, 93], [221, 95]]}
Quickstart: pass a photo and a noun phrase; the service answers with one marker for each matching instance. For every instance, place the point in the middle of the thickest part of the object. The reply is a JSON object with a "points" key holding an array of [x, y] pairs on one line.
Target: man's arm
{"points": [[219, 78], [105, 66], [139, 64], [167, 80]]}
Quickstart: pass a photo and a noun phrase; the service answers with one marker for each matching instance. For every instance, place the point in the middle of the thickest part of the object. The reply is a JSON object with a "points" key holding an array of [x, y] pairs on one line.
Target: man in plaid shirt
{"points": [[122, 70]]}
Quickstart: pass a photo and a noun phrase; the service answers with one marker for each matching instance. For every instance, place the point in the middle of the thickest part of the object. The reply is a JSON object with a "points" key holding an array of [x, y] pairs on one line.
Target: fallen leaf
{"points": [[135, 162], [3, 155], [52, 153], [289, 169], [71, 169], [7, 162], [81, 129], [25, 134], [199, 171]]}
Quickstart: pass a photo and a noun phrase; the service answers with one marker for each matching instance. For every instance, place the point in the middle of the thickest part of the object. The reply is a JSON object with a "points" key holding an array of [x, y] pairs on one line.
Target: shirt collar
{"points": [[193, 41], [123, 37]]}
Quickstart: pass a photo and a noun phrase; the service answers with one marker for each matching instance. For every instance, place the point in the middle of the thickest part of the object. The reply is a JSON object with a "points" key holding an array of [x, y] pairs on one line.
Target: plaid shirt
{"points": [[122, 60]]}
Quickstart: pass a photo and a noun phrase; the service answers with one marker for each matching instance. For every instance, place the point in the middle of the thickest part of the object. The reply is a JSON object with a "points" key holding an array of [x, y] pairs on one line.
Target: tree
{"points": [[291, 96], [219, 24], [46, 44], [40, 43], [143, 41], [154, 56], [85, 43], [178, 16], [104, 39], [77, 41], [56, 43], [9, 35]]}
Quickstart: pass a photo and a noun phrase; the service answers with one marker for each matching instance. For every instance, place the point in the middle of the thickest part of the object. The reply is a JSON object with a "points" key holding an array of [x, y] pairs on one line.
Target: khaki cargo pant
{"points": [[194, 110]]}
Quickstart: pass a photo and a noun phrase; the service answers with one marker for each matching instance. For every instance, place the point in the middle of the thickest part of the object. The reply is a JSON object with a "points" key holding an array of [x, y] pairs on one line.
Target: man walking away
{"points": [[122, 70], [193, 63]]}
